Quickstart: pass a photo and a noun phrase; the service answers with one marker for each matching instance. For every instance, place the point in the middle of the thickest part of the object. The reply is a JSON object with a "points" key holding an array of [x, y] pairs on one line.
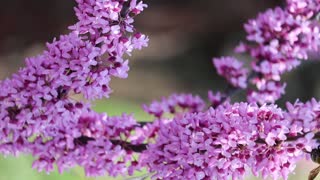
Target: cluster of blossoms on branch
{"points": [[38, 112], [186, 140], [225, 141], [278, 40]]}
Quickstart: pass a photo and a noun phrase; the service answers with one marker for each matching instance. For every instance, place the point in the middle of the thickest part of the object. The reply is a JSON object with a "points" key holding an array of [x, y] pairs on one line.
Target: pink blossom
{"points": [[173, 104], [303, 8], [281, 37], [268, 92], [90, 142], [223, 142], [38, 114], [217, 99], [231, 69], [277, 32]]}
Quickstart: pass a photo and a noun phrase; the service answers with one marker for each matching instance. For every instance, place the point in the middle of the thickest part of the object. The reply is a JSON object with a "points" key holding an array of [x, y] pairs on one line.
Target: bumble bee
{"points": [[315, 156]]}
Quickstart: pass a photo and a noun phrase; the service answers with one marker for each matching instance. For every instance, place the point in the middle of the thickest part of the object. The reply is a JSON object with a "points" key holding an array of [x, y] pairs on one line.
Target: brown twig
{"points": [[291, 138], [142, 147], [130, 147]]}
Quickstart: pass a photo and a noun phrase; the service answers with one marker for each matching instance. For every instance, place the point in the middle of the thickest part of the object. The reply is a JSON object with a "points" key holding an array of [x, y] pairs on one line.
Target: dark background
{"points": [[184, 36]]}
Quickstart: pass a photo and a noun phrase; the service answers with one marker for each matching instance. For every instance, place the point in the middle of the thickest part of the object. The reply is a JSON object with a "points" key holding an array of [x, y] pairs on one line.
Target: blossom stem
{"points": [[231, 90], [130, 147], [139, 148]]}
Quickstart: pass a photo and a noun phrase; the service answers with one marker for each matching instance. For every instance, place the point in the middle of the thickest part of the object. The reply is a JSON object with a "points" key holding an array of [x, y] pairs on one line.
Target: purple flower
{"points": [[174, 103], [217, 98], [231, 69], [268, 91], [92, 141], [303, 8], [279, 32], [38, 114], [281, 37], [224, 142]]}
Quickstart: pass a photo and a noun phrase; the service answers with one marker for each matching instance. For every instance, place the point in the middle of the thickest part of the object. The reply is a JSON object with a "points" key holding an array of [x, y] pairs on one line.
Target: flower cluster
{"points": [[163, 111], [217, 98], [224, 142], [268, 91], [303, 8], [281, 37], [232, 70], [94, 141], [108, 23], [175, 103], [38, 114]]}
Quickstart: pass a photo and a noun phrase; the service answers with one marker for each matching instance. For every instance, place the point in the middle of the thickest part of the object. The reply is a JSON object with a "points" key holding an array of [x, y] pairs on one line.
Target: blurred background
{"points": [[184, 36]]}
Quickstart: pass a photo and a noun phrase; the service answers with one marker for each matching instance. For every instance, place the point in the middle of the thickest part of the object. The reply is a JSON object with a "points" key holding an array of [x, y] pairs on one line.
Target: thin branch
{"points": [[231, 90], [139, 148], [143, 123], [130, 147], [292, 138]]}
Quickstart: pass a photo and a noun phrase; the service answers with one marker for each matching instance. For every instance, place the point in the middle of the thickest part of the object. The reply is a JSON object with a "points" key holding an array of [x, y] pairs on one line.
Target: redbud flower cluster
{"points": [[278, 40], [174, 103], [231, 69], [38, 114], [226, 141]]}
